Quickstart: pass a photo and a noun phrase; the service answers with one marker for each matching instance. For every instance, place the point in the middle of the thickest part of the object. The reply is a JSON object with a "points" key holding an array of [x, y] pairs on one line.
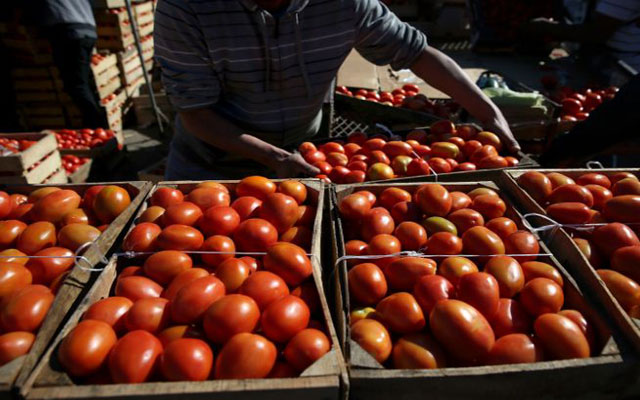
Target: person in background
{"points": [[71, 30], [249, 77], [615, 24]]}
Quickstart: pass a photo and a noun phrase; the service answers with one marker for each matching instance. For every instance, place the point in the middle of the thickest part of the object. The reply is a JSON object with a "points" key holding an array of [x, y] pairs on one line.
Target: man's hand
{"points": [[499, 125], [293, 165]]}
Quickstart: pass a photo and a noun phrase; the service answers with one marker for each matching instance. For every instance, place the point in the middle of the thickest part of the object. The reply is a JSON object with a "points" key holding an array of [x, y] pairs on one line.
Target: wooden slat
{"points": [[22, 161]]}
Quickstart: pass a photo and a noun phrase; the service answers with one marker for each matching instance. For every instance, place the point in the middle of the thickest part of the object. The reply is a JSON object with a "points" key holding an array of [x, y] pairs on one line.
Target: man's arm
{"points": [[219, 132], [441, 72]]}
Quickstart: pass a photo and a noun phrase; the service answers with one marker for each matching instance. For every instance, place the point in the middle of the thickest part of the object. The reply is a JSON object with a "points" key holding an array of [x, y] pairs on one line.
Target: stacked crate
{"points": [[109, 86], [114, 29], [31, 158]]}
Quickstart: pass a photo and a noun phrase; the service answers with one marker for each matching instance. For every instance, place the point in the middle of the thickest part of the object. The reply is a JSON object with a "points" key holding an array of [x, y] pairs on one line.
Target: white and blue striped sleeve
{"points": [[623, 10], [181, 52], [383, 38]]}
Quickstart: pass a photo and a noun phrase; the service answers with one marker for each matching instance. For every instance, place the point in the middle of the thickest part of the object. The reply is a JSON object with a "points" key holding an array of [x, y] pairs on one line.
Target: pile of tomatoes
{"points": [[15, 145], [576, 106], [613, 202], [439, 309], [49, 223], [181, 316], [406, 97], [71, 163], [83, 138], [446, 148]]}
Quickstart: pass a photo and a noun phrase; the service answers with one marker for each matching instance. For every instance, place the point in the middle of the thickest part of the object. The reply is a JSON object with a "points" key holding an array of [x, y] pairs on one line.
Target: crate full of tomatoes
{"points": [[599, 211], [460, 299], [42, 229], [577, 104], [442, 148], [220, 293], [77, 168], [30, 158], [91, 143]]}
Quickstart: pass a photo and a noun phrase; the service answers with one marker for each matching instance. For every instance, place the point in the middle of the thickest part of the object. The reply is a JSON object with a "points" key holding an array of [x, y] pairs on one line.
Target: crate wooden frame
{"points": [[593, 377], [322, 380], [49, 164], [14, 374], [22, 161], [82, 174], [583, 268]]}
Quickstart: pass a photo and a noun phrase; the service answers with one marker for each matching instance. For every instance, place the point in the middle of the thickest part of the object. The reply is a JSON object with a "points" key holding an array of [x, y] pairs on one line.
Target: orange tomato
{"points": [[295, 189], [14, 345], [626, 186], [367, 284], [401, 313], [306, 347], [152, 214], [625, 290], [453, 268], [557, 179], [256, 186], [562, 338], [541, 295], [373, 337], [418, 351], [13, 277], [36, 237], [405, 211], [536, 269], [10, 230], [74, 236]]}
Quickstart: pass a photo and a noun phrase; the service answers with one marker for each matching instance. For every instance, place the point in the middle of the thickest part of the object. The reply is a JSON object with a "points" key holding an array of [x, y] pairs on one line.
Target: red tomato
{"points": [[255, 235], [541, 295], [383, 244], [404, 272], [418, 167], [462, 330], [625, 290], [186, 359], [373, 337], [522, 242], [536, 269], [256, 186], [562, 338], [178, 332], [220, 244], [306, 347], [298, 235], [508, 273], [482, 153], [74, 236], [609, 238], [133, 357], [412, 236], [570, 212], [309, 294], [367, 284], [10, 230], [624, 260], [246, 207], [502, 227], [207, 197], [219, 220], [337, 159], [377, 221], [515, 348], [137, 287], [182, 279], [629, 185], [571, 106], [510, 318], [85, 349], [459, 201], [110, 202], [5, 205], [401, 313], [557, 179], [264, 287], [313, 157], [152, 214], [390, 196], [55, 205], [284, 318], [405, 211], [36, 237], [295, 189], [586, 327], [13, 277], [14, 345], [480, 240], [625, 208], [355, 248], [42, 192], [289, 262], [185, 213], [444, 243], [481, 291], [465, 219], [571, 192], [429, 289], [489, 206], [142, 237], [434, 199], [179, 237], [453, 268], [354, 206], [440, 165], [57, 260], [246, 356], [111, 310], [280, 210], [230, 315], [594, 178], [149, 314], [232, 272], [191, 302]]}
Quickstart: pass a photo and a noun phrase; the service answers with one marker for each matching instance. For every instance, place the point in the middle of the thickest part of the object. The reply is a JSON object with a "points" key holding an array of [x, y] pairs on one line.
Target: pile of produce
{"points": [[576, 105], [50, 224], [612, 205], [447, 310], [14, 146], [83, 139], [445, 148], [177, 315], [71, 163]]}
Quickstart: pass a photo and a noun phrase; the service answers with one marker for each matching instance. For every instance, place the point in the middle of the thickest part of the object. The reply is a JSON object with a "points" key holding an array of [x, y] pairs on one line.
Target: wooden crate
{"points": [[567, 247], [22, 161], [611, 373], [104, 64], [142, 8], [114, 83], [41, 172], [115, 43], [82, 174], [322, 380], [15, 373], [146, 29], [109, 3]]}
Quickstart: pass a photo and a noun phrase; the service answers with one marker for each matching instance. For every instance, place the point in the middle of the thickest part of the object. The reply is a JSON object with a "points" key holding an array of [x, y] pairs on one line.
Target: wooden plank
{"points": [[608, 373], [107, 62], [143, 8], [25, 159], [113, 85], [109, 3], [38, 174], [146, 29], [320, 381], [105, 77], [146, 18]]}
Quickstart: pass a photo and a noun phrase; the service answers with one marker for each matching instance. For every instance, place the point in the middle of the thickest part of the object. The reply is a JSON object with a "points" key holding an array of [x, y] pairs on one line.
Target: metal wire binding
{"points": [[594, 165]]}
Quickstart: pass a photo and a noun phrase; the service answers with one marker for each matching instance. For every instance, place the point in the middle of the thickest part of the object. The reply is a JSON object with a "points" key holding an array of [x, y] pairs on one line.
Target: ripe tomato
{"points": [[405, 211], [625, 208], [246, 356], [367, 284], [264, 287], [380, 171], [390, 196], [230, 315], [516, 348], [557, 179], [133, 357], [178, 332], [508, 273], [13, 277], [137, 287], [10, 230], [430, 289], [85, 349], [489, 206], [232, 272], [295, 189], [434, 225], [609, 238], [434, 199], [419, 166], [522, 242], [337, 159], [166, 196], [377, 221], [182, 279], [373, 337], [111, 310], [481, 291], [36, 237], [255, 235], [482, 153], [14, 345], [186, 359], [594, 178], [256, 186], [185, 213], [459, 201], [354, 206], [164, 266], [191, 302], [289, 261], [207, 197], [313, 157], [571, 192], [444, 243], [404, 272], [142, 237], [110, 202], [280, 210], [40, 193], [401, 313], [624, 260], [383, 244], [586, 327], [179, 237], [562, 338], [152, 214], [502, 226], [45, 270], [418, 351], [55, 205], [74, 236], [5, 204], [626, 186], [246, 207], [306, 347], [570, 212], [511, 317], [412, 236], [541, 295], [571, 106], [625, 290], [309, 294], [489, 138], [462, 330], [221, 244], [298, 235], [150, 314], [465, 219], [480, 240], [284, 318], [536, 269]]}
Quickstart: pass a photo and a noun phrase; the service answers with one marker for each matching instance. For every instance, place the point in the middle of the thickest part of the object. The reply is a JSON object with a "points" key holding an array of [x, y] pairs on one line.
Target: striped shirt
{"points": [[625, 42], [269, 73]]}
